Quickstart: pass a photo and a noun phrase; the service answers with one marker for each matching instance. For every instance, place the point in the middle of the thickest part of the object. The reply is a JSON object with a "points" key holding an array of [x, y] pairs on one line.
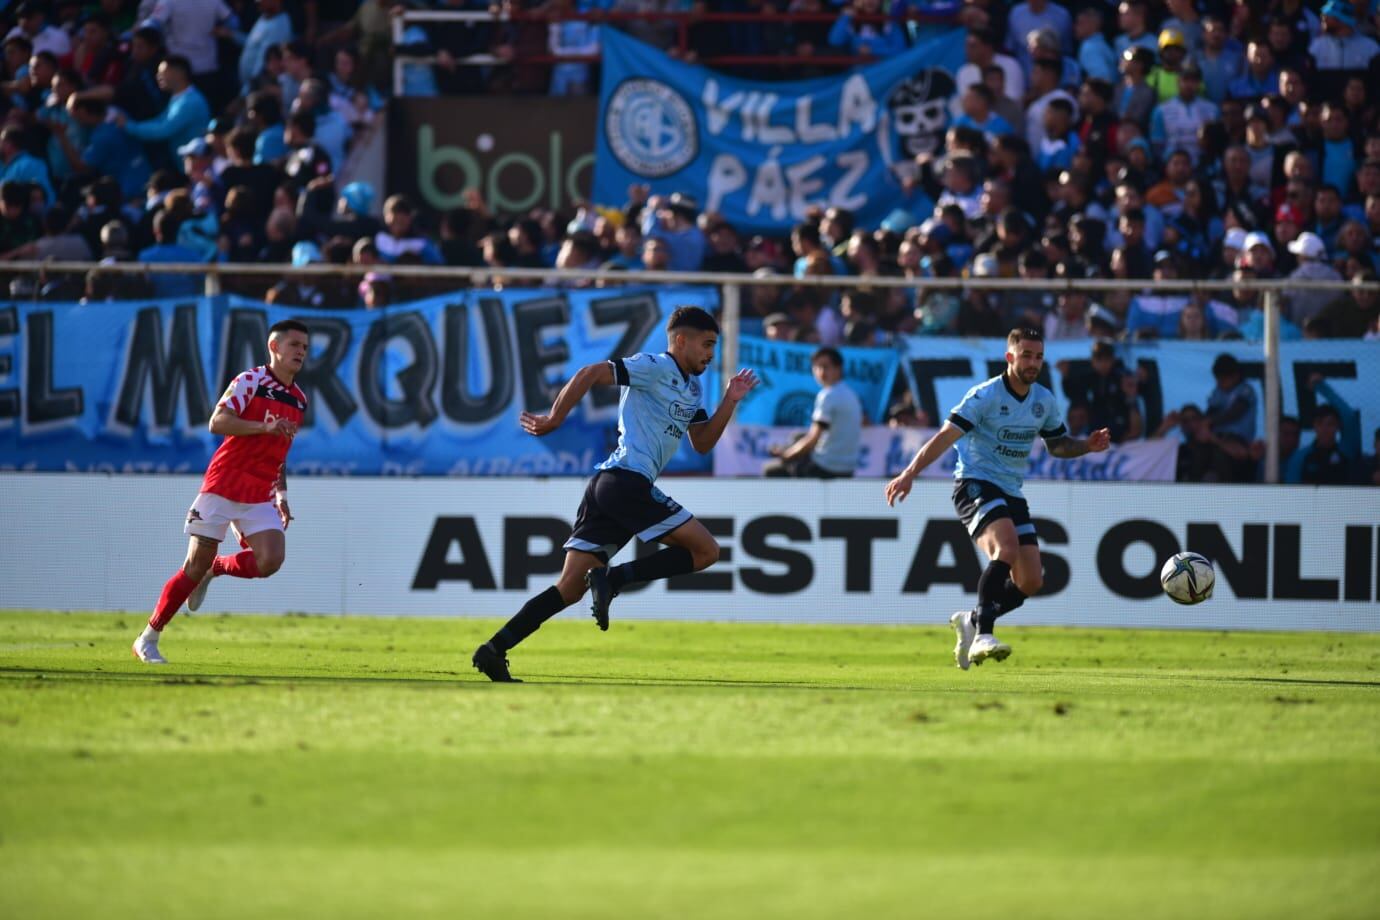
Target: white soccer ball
{"points": [[1187, 578]]}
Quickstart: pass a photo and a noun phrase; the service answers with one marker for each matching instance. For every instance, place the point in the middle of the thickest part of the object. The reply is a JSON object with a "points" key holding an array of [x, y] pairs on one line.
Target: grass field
{"points": [[328, 767]]}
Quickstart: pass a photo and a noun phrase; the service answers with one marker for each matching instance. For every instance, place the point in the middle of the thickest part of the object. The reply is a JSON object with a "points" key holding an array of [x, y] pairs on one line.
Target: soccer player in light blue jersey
{"points": [[1002, 418], [662, 400]]}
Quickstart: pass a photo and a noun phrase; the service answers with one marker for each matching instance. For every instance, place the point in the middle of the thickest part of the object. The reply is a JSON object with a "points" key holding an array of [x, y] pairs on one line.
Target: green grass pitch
{"points": [[326, 767]]}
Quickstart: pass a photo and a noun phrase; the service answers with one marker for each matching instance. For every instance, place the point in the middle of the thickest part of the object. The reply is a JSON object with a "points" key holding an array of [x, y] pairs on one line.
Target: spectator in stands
{"points": [[166, 249], [1221, 59], [1302, 305], [185, 117], [400, 236], [272, 28], [1135, 99], [1333, 458], [191, 29], [1044, 88], [1164, 79], [31, 17], [980, 48], [18, 165], [95, 55], [1100, 388], [1175, 124], [1095, 55], [672, 219], [1232, 404], [332, 133], [858, 32], [1340, 47], [1132, 19], [978, 101]]}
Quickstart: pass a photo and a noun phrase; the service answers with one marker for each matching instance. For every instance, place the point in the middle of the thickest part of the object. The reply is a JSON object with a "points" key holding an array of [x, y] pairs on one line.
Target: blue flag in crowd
{"points": [[762, 154]]}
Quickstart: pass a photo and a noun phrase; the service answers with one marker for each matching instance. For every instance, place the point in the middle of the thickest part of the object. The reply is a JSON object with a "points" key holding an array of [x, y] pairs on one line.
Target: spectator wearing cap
{"points": [[32, 24], [1340, 47], [1032, 16], [1221, 58], [1164, 79], [18, 165], [185, 116], [1175, 124], [1302, 305], [207, 192], [273, 27], [1187, 21], [1258, 254], [1095, 54]]}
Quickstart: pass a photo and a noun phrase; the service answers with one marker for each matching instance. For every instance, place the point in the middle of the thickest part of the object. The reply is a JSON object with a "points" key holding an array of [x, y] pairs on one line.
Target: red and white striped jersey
{"points": [[245, 467]]}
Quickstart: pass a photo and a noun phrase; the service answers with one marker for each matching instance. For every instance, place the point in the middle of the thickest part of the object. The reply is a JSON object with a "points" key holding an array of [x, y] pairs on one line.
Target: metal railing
{"points": [[731, 286], [683, 23]]}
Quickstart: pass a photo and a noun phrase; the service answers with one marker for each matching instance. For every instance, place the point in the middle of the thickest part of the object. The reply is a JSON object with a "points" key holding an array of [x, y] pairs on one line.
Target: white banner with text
{"points": [[1287, 557]]}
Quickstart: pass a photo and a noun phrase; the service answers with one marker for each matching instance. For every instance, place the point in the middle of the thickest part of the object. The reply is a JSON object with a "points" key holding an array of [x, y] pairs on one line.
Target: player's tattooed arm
{"points": [[591, 375], [1066, 448]]}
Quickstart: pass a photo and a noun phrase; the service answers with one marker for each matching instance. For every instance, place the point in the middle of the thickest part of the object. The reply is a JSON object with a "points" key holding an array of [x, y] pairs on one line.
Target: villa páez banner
{"points": [[432, 387], [761, 154]]}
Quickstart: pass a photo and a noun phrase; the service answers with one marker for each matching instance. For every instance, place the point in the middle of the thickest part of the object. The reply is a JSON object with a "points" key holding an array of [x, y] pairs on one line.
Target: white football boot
{"points": [[147, 651], [966, 631], [986, 647]]}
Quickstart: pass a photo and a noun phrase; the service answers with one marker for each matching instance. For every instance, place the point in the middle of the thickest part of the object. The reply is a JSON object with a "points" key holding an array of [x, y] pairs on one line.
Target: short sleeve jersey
{"points": [[839, 412], [659, 401], [1000, 430], [246, 467]]}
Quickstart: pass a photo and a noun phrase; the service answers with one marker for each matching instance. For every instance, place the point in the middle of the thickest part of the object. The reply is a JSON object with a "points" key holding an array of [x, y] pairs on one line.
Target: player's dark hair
{"points": [[1325, 410], [1023, 334], [289, 325], [691, 318], [832, 355]]}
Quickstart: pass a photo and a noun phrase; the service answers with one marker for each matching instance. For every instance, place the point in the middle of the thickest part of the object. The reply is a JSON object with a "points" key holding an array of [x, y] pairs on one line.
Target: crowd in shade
{"points": [[1202, 139]]}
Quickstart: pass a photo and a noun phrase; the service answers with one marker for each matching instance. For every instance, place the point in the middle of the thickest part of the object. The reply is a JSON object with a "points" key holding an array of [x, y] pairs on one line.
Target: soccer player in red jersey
{"points": [[245, 484]]}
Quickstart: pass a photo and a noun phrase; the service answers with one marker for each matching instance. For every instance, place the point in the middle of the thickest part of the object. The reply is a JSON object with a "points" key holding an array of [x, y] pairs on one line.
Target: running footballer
{"points": [[245, 485], [1001, 419]]}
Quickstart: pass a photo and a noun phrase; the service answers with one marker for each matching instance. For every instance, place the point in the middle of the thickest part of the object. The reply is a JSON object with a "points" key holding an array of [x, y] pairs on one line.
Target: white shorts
{"points": [[210, 515]]}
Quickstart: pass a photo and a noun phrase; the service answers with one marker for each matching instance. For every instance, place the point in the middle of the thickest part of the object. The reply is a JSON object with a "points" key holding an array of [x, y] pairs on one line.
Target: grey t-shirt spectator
{"points": [[1233, 411], [839, 412]]}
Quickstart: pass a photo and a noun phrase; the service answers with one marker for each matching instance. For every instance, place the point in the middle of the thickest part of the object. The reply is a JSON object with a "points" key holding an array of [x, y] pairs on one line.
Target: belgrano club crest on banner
{"points": [[763, 154]]}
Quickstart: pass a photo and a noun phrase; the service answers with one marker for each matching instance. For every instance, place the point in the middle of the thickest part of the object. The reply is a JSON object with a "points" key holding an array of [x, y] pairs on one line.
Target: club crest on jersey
{"points": [[694, 387], [1039, 410]]}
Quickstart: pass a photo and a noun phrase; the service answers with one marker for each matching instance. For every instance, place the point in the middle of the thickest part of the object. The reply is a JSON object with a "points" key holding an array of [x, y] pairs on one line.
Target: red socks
{"points": [[170, 601], [240, 565]]}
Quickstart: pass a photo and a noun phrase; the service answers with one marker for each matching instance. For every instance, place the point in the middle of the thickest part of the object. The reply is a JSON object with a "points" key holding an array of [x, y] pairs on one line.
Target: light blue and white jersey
{"points": [[659, 401], [1001, 429]]}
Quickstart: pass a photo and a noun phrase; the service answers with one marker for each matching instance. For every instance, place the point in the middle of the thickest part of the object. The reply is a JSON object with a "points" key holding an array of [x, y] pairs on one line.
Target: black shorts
{"points": [[979, 503], [619, 505]]}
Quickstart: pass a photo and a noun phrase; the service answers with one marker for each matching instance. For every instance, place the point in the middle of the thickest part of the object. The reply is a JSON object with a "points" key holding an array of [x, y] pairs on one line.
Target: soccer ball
{"points": [[1187, 578]]}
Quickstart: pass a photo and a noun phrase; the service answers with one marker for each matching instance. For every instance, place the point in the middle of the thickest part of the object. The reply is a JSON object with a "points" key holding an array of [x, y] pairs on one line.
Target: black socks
{"points": [[991, 593], [529, 619], [666, 563]]}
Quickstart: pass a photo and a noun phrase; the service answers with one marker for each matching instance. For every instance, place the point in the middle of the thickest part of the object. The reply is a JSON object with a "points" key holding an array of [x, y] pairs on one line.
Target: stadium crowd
{"points": [[1143, 141]]}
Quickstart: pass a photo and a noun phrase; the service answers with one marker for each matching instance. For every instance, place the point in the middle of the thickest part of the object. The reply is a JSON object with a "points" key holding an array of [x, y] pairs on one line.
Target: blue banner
{"points": [[432, 387], [762, 154], [1172, 374], [787, 392]]}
